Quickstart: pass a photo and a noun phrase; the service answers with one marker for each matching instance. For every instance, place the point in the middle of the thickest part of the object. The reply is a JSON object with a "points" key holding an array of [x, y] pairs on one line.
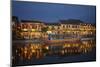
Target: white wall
{"points": [[5, 33], [89, 2]]}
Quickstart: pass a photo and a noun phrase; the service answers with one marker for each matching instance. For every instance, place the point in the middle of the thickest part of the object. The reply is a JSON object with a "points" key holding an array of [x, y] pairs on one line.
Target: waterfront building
{"points": [[65, 28], [64, 37]]}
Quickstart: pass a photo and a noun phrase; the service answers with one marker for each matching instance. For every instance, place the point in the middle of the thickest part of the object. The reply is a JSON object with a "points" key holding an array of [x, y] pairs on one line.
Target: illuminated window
{"points": [[25, 29], [33, 30]]}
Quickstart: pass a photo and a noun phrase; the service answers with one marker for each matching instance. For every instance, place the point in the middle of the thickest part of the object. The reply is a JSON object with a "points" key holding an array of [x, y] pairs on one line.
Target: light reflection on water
{"points": [[37, 50]]}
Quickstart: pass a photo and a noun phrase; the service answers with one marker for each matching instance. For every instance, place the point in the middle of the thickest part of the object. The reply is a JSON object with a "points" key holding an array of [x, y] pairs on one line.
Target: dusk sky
{"points": [[52, 12]]}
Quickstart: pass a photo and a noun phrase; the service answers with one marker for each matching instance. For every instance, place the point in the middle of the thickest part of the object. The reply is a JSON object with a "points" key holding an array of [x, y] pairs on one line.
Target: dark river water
{"points": [[27, 52]]}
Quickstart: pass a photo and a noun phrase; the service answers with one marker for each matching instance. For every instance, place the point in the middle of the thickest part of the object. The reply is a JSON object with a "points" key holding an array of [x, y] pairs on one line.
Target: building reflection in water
{"points": [[37, 50]]}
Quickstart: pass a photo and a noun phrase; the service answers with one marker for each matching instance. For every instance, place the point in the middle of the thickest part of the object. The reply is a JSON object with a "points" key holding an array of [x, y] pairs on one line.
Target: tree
{"points": [[44, 29]]}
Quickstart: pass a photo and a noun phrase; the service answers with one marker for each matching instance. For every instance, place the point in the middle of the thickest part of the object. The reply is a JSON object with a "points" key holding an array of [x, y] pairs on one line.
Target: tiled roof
{"points": [[31, 21], [52, 23], [71, 21]]}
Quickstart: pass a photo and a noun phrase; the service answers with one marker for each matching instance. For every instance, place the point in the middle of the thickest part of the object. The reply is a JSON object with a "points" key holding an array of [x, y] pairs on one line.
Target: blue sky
{"points": [[53, 12]]}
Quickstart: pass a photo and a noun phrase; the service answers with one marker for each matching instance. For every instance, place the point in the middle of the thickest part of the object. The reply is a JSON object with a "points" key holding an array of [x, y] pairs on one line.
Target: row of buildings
{"points": [[26, 29]]}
